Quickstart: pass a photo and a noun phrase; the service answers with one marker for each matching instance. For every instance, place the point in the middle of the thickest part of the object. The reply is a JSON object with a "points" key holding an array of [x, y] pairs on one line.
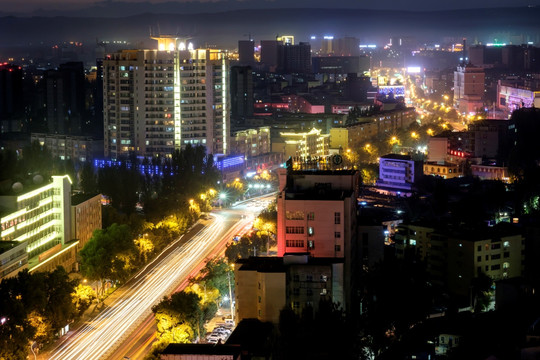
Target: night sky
{"points": [[78, 7]]}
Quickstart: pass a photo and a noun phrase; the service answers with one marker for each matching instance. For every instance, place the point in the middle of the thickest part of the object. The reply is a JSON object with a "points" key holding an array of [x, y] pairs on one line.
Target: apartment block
{"points": [[265, 285], [160, 100]]}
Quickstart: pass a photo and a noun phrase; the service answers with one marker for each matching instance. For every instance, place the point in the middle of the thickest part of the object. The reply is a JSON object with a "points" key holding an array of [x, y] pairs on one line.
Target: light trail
{"points": [[101, 336]]}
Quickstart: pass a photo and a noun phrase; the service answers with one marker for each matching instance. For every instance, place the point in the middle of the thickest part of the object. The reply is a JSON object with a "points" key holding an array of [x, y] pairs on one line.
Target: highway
{"points": [[125, 328]]}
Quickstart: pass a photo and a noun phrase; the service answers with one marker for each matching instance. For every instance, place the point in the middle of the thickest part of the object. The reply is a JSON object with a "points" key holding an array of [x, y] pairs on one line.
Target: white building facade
{"points": [[157, 101]]}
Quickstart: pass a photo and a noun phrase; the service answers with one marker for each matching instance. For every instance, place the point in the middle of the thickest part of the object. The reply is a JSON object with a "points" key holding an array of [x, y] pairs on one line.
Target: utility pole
{"points": [[230, 295]]}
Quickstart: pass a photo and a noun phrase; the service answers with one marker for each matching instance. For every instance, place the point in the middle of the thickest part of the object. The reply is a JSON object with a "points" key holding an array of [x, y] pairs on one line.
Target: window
{"points": [[311, 216], [311, 231], [259, 299], [311, 244], [337, 218], [294, 229], [412, 242], [479, 248], [309, 292], [337, 248], [296, 277], [506, 244], [495, 246], [506, 265], [479, 270], [295, 243], [495, 257], [309, 278], [479, 258], [495, 267], [324, 278], [296, 291], [506, 254], [259, 286], [337, 234], [296, 305], [294, 215]]}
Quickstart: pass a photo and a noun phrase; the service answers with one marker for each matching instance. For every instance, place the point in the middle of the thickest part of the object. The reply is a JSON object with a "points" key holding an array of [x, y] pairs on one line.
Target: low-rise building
{"points": [[378, 124], [70, 147], [305, 144], [45, 221], [85, 217], [13, 258], [398, 172], [446, 170], [265, 285]]}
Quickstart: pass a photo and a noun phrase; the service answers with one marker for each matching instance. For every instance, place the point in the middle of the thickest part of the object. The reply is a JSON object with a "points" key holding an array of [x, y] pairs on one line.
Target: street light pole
{"points": [[230, 295], [32, 348]]}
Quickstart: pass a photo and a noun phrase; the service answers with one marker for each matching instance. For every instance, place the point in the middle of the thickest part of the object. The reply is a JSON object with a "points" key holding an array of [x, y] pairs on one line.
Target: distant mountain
{"points": [[225, 28]]}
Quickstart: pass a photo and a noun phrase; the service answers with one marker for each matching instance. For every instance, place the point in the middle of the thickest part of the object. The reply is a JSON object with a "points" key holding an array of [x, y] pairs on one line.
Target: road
{"points": [[126, 327]]}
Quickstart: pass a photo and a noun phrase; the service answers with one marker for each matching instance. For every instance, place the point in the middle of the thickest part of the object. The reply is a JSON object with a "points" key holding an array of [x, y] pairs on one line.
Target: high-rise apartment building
{"points": [[317, 213], [65, 99], [157, 101]]}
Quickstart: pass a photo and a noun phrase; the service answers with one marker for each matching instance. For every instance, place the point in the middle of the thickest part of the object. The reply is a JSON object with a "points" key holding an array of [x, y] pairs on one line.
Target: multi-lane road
{"points": [[125, 328]]}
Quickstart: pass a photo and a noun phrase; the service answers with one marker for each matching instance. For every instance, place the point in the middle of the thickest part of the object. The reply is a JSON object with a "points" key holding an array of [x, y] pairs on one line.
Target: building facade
{"points": [[398, 172], [317, 216], [85, 217], [50, 228], [157, 101], [264, 286], [469, 85], [70, 147]]}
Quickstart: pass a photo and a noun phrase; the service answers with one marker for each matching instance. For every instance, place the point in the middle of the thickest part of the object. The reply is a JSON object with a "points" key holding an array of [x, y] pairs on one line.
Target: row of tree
{"points": [[35, 306], [180, 318]]}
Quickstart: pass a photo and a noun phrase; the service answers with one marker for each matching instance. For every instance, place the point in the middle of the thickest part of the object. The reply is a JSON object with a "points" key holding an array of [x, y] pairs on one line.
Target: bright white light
{"points": [[182, 46], [190, 46], [328, 37]]}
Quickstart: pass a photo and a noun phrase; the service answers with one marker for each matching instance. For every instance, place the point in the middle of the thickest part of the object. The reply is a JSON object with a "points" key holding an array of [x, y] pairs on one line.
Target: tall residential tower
{"points": [[157, 101]]}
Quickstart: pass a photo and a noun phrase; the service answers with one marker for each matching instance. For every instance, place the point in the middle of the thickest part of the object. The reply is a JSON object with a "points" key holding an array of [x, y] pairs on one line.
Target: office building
{"points": [[157, 101], [294, 58], [246, 52], [269, 54], [469, 88], [241, 91], [51, 229], [11, 98], [70, 147], [13, 258]]}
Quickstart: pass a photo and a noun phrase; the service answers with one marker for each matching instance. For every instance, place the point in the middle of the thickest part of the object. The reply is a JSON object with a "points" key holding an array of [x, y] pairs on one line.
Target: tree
{"points": [[179, 317], [88, 179], [59, 308], [83, 297], [106, 253], [216, 274]]}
